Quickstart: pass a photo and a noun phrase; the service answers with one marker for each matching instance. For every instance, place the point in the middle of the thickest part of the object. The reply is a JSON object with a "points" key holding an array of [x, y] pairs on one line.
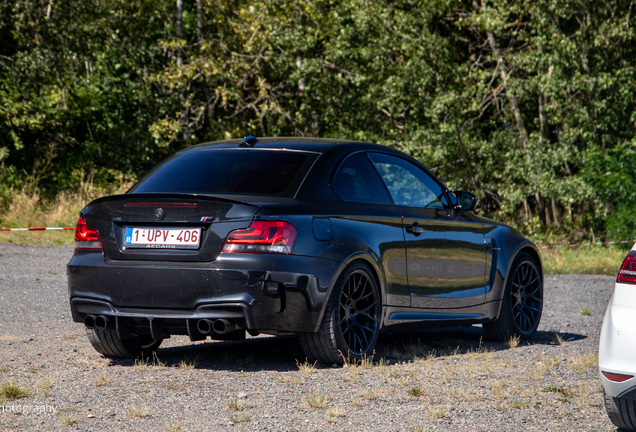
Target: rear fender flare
{"points": [[375, 270]]}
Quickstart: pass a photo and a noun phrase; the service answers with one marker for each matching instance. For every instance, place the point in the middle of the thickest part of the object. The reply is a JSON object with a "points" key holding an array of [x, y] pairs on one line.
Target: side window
{"points": [[357, 181], [408, 184]]}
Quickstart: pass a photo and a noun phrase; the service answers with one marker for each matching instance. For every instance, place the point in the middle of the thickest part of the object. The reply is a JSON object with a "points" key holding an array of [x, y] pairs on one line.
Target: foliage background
{"points": [[530, 104]]}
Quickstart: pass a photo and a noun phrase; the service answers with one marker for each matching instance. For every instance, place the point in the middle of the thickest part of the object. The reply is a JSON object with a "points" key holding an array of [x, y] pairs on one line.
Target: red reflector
{"points": [[627, 273], [262, 237], [616, 377], [86, 237], [156, 204]]}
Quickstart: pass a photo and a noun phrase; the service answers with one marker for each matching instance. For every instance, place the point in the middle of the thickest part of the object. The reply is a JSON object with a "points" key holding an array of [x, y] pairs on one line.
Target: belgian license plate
{"points": [[162, 238]]}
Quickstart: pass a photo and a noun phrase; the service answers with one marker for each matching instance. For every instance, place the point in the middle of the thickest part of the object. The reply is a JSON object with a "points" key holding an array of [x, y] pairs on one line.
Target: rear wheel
{"points": [[622, 412], [108, 343], [522, 302], [350, 326]]}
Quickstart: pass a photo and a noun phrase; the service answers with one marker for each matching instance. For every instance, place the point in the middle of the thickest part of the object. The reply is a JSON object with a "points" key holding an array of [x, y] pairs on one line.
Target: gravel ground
{"points": [[432, 380]]}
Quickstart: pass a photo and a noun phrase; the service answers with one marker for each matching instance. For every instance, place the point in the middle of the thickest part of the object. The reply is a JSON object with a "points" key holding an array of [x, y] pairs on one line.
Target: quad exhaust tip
{"points": [[89, 321], [219, 326], [102, 322], [205, 326], [99, 322], [223, 326]]}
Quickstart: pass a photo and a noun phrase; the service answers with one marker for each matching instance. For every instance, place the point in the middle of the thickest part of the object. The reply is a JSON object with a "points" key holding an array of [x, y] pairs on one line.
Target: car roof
{"points": [[317, 145]]}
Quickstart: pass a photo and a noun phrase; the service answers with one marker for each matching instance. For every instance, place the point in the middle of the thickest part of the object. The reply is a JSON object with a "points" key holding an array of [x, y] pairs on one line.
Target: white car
{"points": [[617, 350]]}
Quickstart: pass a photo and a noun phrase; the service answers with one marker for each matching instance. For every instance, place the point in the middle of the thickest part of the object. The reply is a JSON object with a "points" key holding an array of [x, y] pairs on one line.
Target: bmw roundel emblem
{"points": [[159, 213]]}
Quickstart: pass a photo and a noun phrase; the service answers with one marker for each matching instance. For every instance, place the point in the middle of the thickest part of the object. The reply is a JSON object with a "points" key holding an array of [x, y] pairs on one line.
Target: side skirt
{"points": [[402, 318]]}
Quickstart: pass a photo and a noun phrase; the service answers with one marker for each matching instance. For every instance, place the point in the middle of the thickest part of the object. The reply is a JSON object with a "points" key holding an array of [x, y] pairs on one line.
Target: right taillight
{"points": [[262, 237], [627, 273], [86, 237]]}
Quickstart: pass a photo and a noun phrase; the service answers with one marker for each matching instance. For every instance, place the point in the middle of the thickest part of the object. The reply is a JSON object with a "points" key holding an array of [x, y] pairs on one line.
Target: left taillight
{"points": [[262, 237], [86, 237], [627, 273]]}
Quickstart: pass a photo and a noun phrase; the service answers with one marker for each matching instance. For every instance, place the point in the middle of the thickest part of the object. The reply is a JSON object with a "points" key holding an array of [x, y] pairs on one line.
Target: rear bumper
{"points": [[282, 293], [617, 347]]}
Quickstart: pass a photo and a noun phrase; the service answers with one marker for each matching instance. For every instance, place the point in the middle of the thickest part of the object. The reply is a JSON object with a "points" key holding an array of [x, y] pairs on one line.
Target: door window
{"points": [[407, 183]]}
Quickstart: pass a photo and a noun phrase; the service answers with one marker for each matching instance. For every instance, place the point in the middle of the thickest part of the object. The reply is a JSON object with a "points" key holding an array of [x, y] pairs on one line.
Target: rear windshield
{"points": [[245, 172]]}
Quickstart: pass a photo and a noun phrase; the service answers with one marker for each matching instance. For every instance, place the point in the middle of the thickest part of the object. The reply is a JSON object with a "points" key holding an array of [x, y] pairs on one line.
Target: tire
{"points": [[622, 412], [108, 343], [522, 302], [351, 323]]}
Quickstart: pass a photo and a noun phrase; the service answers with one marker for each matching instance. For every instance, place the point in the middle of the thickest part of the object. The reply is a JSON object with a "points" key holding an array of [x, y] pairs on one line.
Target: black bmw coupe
{"points": [[335, 241]]}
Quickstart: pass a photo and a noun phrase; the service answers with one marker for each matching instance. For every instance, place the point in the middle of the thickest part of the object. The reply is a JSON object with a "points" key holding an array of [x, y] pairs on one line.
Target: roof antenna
{"points": [[249, 141]]}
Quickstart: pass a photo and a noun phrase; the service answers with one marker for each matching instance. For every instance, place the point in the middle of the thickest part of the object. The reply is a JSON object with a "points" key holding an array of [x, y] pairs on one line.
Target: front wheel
{"points": [[108, 343], [350, 326], [522, 302]]}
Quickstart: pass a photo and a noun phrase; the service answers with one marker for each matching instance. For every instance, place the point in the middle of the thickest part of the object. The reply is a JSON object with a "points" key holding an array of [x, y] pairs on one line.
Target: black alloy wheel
{"points": [[359, 312], [522, 302], [351, 324], [527, 298]]}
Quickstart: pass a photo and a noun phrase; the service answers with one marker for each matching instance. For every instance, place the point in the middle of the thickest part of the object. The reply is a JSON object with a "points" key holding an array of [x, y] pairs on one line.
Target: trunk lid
{"points": [[215, 216]]}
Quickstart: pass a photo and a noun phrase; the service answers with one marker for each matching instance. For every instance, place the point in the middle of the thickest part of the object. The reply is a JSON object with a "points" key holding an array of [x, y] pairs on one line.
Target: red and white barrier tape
{"points": [[38, 229], [588, 244]]}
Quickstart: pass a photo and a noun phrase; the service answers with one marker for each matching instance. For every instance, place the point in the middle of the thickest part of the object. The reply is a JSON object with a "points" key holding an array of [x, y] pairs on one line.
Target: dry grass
{"points": [[584, 260], [306, 367], [317, 399], [558, 338], [583, 362], [10, 390], [44, 384], [370, 394], [436, 412], [498, 389], [29, 209], [334, 414], [141, 365], [136, 412], [156, 362], [392, 373], [548, 363], [352, 379], [235, 404], [240, 418], [68, 420], [357, 403], [513, 342], [187, 364], [101, 379]]}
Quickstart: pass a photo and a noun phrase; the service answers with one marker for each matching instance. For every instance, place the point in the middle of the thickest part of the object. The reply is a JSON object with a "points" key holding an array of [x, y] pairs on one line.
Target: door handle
{"points": [[415, 229]]}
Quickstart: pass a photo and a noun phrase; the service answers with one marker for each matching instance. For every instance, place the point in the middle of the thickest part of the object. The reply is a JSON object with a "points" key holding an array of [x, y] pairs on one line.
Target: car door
{"points": [[371, 221], [445, 250]]}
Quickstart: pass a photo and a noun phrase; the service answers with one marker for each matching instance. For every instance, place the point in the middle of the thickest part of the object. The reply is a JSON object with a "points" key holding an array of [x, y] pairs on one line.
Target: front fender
{"points": [[510, 243]]}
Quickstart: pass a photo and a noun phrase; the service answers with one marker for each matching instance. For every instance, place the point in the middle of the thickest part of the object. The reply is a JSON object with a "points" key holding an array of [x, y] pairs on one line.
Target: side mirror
{"points": [[467, 201]]}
